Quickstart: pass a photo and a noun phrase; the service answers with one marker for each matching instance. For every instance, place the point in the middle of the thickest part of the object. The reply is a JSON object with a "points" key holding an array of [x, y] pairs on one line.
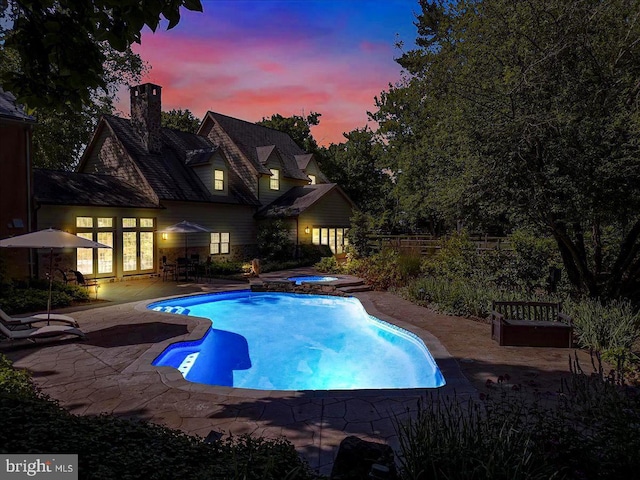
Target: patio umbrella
{"points": [[49, 238], [186, 228]]}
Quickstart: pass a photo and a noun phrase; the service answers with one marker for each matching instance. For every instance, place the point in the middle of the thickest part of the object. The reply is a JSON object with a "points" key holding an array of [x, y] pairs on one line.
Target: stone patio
{"points": [[111, 372]]}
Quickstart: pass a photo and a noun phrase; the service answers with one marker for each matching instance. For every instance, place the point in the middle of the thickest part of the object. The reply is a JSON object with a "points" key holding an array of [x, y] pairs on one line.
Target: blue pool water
{"points": [[285, 341], [312, 278]]}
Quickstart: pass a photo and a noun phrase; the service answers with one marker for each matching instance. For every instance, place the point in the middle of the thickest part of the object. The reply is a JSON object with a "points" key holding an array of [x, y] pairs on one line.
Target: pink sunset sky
{"points": [[250, 59]]}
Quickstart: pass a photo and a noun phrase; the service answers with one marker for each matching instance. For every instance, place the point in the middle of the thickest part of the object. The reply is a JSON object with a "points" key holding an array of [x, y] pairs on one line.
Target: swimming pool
{"points": [[311, 278], [286, 341]]}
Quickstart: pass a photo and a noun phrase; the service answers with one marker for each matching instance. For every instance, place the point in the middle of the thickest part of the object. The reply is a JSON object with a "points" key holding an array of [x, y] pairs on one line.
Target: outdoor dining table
{"points": [[184, 266]]}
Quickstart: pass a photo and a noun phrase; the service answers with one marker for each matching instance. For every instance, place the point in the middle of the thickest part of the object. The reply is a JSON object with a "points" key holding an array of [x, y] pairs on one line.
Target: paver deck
{"points": [[110, 371]]}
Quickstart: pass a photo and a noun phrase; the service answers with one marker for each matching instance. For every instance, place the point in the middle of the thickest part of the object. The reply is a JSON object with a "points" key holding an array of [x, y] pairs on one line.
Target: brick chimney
{"points": [[146, 106]]}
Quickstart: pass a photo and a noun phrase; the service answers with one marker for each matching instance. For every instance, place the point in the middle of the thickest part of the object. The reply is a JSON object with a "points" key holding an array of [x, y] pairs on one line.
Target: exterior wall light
{"points": [[306, 230], [165, 236]]}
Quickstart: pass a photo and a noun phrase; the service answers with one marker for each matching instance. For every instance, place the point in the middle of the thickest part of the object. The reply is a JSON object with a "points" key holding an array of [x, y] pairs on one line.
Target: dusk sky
{"points": [[252, 58]]}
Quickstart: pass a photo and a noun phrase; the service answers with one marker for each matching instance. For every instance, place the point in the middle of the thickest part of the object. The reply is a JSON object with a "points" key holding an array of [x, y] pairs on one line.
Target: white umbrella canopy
{"points": [[186, 228], [50, 238]]}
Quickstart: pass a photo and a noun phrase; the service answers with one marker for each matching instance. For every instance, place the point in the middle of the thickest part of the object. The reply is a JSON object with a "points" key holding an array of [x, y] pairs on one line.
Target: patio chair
{"points": [[13, 322], [168, 269], [32, 334], [65, 278], [86, 282]]}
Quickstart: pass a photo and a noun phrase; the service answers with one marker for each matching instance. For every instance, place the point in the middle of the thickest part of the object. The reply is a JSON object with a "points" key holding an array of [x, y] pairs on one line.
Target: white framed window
{"points": [[100, 260], [84, 222], [274, 183], [334, 238], [312, 178], [218, 180], [219, 243]]}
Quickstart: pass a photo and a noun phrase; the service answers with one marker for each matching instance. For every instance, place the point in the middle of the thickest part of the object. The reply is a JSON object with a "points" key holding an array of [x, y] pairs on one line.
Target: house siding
{"points": [[205, 174], [237, 220], [236, 159], [334, 210], [233, 219], [312, 169], [267, 195]]}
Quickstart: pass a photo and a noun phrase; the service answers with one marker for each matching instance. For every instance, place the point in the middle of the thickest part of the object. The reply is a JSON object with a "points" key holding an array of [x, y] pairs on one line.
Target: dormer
{"points": [[212, 167], [307, 164]]}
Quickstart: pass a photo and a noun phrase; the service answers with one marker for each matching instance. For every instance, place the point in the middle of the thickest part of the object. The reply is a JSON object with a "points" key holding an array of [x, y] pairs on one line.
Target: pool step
{"points": [[353, 287]]}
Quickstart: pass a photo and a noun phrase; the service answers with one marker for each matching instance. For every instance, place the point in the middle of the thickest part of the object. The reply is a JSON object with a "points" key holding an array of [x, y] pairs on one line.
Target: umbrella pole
{"points": [[50, 286]]}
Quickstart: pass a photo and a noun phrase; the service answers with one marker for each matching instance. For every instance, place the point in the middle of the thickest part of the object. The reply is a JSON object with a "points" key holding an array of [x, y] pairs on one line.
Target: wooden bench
{"points": [[531, 324]]}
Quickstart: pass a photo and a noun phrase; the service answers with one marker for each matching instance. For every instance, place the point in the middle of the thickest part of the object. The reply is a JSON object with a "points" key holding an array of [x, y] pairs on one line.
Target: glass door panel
{"points": [[129, 251], [84, 256], [146, 250], [105, 255]]}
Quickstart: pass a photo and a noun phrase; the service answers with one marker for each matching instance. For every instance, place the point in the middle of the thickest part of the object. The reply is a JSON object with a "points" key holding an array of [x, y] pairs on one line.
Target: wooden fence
{"points": [[430, 245]]}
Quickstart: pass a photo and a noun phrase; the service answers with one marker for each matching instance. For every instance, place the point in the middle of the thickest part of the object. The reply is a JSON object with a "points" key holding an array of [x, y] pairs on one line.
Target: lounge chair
{"points": [[33, 334], [11, 322]]}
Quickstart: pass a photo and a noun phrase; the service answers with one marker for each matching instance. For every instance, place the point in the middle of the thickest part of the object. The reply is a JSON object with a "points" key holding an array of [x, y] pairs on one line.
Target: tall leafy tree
{"points": [[354, 165], [62, 133], [298, 128], [60, 44], [182, 120], [530, 111]]}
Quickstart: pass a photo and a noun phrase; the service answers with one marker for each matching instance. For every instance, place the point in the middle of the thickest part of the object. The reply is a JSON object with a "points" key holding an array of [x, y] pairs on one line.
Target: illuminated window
{"points": [[313, 179], [84, 256], [218, 179], [334, 238], [146, 222], [105, 222], [105, 255], [274, 184], [84, 222], [129, 222], [219, 243]]}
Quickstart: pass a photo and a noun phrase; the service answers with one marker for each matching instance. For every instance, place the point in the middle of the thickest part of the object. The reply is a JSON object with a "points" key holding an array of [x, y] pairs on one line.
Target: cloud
{"points": [[252, 59]]}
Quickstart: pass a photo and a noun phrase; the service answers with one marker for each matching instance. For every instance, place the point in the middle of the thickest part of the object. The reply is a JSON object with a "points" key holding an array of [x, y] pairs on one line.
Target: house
{"points": [[16, 127], [136, 178]]}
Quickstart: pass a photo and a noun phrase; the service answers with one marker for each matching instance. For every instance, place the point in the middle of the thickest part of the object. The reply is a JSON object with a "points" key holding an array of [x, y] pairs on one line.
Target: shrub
{"points": [[589, 432], [328, 265], [604, 327], [358, 234], [532, 258], [226, 268], [110, 447], [15, 382], [471, 297], [457, 258], [310, 254], [274, 242], [379, 270]]}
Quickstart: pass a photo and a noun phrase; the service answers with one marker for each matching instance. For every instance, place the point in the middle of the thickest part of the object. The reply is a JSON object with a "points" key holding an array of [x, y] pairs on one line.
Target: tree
{"points": [[61, 133], [354, 165], [297, 127], [60, 44], [529, 111], [182, 120]]}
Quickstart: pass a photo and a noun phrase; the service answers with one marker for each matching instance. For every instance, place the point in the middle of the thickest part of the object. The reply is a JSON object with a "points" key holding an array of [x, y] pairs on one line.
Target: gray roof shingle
{"points": [[12, 111], [296, 201], [169, 173], [53, 187], [251, 140]]}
